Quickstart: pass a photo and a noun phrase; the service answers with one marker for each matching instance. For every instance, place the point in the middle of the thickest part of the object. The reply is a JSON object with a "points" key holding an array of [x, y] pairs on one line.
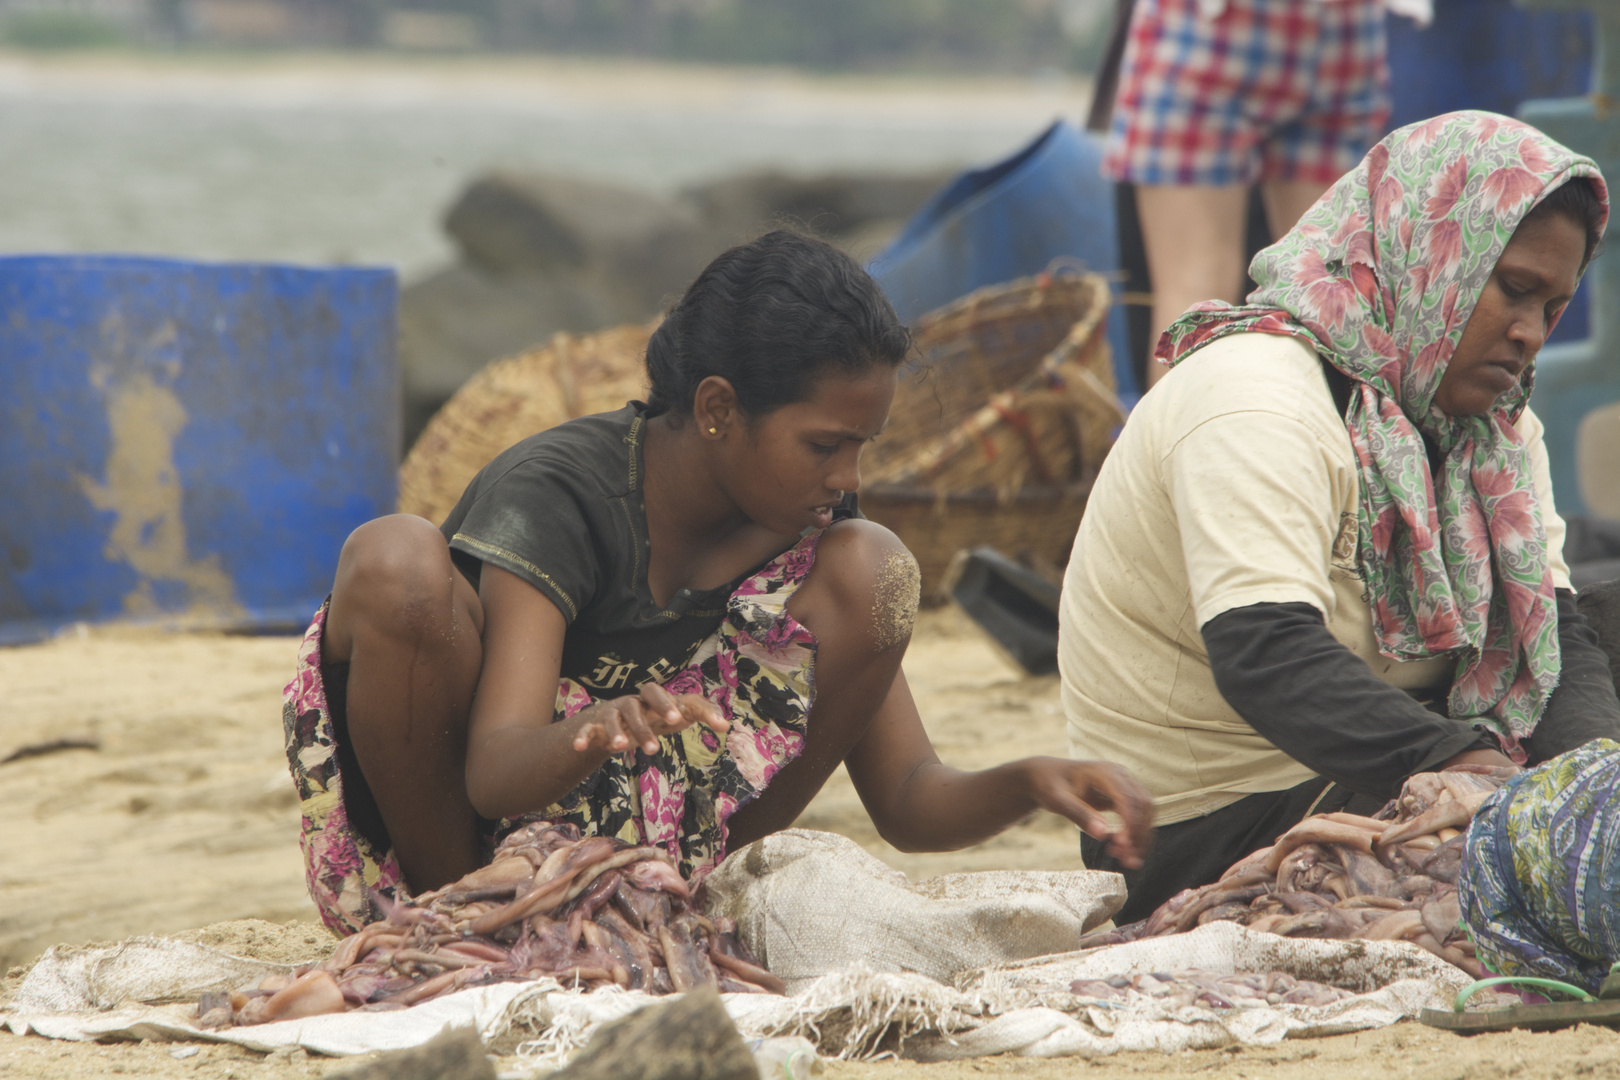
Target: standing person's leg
{"points": [[1182, 132], [409, 625], [1194, 241], [1287, 200], [1328, 111]]}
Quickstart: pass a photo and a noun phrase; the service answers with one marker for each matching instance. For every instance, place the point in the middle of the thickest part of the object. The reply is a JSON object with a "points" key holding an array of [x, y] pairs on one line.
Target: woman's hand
{"points": [[643, 717], [1077, 790]]}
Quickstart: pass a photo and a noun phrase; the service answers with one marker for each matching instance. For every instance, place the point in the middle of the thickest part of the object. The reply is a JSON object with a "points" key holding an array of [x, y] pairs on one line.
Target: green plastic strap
{"points": [[1546, 984]]}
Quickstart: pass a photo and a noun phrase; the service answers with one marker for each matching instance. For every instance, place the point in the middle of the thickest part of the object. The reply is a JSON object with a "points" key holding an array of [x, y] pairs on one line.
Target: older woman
{"points": [[1324, 553]]}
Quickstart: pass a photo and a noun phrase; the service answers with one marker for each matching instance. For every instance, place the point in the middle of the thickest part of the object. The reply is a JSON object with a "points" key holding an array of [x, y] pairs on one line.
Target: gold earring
{"points": [[714, 431]]}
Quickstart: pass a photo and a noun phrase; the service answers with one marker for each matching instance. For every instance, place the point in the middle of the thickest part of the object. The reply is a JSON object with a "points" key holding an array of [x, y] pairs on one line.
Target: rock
{"points": [[543, 254], [835, 206], [458, 320], [691, 1038], [536, 221], [454, 1054], [648, 246]]}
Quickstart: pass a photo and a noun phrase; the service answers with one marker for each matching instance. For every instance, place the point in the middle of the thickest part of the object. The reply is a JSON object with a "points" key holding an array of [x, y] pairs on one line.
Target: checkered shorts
{"points": [[1268, 90]]}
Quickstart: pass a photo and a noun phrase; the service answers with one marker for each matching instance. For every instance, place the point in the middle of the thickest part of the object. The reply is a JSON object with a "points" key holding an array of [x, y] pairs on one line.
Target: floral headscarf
{"points": [[1380, 277]]}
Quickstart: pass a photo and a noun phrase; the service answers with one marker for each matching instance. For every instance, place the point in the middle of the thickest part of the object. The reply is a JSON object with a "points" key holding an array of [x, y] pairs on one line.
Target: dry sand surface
{"points": [[184, 817]]}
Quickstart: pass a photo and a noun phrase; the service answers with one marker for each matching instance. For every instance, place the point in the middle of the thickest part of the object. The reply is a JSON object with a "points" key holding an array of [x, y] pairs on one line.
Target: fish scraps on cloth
{"points": [[1391, 877]]}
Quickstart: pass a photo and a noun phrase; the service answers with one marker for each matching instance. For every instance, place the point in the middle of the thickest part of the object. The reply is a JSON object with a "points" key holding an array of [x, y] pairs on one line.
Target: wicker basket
{"points": [[1022, 376], [514, 398], [994, 440]]}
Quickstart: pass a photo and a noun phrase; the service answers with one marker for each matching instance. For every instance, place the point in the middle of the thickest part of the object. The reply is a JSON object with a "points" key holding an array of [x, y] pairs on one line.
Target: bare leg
{"points": [[409, 626], [1287, 200], [1194, 241]]}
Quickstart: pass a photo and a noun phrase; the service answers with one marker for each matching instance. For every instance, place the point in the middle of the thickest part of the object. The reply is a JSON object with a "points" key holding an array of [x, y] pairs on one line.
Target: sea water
{"points": [[354, 159]]}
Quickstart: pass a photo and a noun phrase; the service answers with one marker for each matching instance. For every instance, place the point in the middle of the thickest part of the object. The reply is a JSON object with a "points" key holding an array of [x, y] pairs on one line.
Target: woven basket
{"points": [[1003, 447], [510, 400], [994, 439]]}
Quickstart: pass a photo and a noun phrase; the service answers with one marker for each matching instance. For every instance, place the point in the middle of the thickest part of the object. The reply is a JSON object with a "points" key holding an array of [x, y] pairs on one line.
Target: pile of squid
{"points": [[1207, 990], [1390, 877], [587, 912]]}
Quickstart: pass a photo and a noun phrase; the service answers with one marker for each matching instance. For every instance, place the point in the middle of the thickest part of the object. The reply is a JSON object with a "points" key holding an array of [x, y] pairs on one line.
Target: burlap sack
{"points": [[810, 903]]}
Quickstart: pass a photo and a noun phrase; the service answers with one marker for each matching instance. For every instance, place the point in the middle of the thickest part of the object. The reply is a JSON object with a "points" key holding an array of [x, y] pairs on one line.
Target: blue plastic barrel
{"points": [[1486, 54], [1009, 220], [187, 443], [1493, 55]]}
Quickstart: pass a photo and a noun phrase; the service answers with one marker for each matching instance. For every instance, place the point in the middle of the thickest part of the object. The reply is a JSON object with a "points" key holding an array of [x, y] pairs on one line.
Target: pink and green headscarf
{"points": [[1380, 277]]}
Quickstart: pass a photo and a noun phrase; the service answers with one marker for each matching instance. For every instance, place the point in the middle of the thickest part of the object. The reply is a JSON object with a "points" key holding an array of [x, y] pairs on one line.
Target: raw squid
{"points": [[1390, 877], [587, 911]]}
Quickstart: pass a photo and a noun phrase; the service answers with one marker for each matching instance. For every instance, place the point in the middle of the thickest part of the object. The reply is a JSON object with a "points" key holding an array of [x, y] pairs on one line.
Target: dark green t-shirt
{"points": [[564, 511]]}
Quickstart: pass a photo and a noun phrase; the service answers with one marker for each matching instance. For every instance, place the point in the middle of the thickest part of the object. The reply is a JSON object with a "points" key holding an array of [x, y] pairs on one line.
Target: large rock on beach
{"points": [[639, 243], [542, 254], [455, 322]]}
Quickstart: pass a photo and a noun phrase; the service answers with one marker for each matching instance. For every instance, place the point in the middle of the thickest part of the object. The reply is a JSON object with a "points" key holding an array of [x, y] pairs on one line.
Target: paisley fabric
{"points": [[1380, 277], [758, 667], [1540, 875]]}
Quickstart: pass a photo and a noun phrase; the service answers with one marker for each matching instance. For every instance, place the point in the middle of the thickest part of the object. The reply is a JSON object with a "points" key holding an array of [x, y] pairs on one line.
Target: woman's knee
{"points": [[396, 573]]}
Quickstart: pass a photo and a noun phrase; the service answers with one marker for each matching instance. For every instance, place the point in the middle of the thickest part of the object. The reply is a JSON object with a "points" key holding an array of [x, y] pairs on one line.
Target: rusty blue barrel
{"points": [[187, 443]]}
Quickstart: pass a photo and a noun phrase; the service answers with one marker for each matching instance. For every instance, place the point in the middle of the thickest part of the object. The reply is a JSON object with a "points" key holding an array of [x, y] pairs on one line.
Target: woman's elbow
{"points": [[903, 834], [486, 793], [903, 842]]}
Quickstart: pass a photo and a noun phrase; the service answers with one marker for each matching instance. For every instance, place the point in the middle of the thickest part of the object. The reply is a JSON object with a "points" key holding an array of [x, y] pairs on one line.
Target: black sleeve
{"points": [[1584, 706], [1320, 704]]}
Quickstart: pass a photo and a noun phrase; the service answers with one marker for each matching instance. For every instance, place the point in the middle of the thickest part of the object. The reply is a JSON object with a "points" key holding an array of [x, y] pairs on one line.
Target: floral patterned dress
{"points": [[1380, 277], [758, 668]]}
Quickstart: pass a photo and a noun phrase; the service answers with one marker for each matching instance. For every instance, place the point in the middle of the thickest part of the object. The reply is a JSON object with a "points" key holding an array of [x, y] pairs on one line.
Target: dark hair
{"points": [[769, 317], [1578, 201]]}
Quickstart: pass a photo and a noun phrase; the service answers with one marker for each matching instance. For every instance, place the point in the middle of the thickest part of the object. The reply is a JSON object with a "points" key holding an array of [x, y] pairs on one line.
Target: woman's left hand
{"points": [[1077, 790]]}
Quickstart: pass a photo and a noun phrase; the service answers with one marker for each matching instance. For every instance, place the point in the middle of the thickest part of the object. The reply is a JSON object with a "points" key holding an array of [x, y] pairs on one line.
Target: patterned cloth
{"points": [[1540, 875], [1266, 90], [758, 668], [1380, 278]]}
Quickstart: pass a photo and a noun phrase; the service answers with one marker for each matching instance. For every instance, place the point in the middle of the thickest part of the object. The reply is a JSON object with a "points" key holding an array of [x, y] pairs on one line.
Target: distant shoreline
{"points": [[322, 158], [525, 81]]}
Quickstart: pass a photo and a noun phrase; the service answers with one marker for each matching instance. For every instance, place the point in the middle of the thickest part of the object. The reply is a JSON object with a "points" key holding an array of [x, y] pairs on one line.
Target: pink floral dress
{"points": [[758, 667]]}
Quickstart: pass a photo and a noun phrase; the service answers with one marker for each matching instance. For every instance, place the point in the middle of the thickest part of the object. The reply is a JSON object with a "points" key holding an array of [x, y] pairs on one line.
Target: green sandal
{"points": [[1603, 1009]]}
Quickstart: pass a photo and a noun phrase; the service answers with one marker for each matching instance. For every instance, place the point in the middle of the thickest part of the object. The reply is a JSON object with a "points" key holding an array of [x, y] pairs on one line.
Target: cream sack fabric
{"points": [[1023, 1008], [810, 903]]}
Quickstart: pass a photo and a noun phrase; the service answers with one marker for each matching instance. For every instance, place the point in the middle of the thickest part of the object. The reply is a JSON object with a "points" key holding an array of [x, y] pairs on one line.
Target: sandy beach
{"points": [[181, 820], [143, 783]]}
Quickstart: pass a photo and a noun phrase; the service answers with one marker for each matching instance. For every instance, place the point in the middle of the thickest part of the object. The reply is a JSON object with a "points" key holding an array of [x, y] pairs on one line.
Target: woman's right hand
{"points": [[640, 718]]}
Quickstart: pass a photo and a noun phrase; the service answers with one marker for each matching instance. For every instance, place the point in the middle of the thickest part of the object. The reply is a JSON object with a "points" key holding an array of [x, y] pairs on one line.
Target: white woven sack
{"points": [[811, 903]]}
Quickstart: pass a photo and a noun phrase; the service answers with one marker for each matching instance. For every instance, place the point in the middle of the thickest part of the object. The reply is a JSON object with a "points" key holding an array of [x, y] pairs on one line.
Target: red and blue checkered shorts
{"points": [[1267, 90]]}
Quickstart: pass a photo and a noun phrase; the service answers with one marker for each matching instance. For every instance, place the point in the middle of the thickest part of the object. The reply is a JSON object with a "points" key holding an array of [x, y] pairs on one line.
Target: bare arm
{"points": [[864, 716], [518, 758], [921, 804]]}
